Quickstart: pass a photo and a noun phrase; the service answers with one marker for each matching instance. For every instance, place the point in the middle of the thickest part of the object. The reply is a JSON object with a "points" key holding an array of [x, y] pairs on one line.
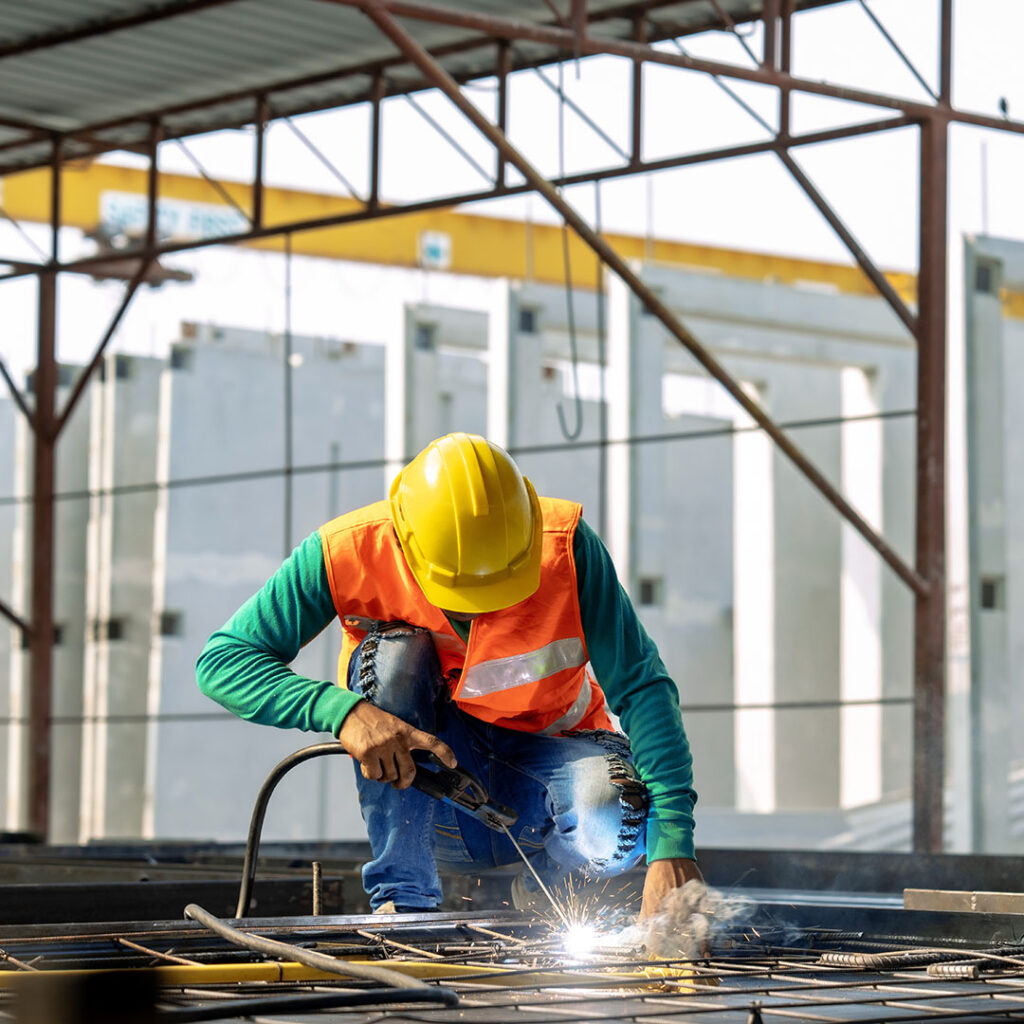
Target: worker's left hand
{"points": [[662, 877]]}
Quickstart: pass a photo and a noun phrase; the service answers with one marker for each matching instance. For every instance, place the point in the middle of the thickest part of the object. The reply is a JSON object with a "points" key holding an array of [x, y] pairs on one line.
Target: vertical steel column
{"points": [[376, 96], [40, 700], [504, 67], [257, 174], [637, 97], [770, 16], [930, 607], [785, 61], [41, 638]]}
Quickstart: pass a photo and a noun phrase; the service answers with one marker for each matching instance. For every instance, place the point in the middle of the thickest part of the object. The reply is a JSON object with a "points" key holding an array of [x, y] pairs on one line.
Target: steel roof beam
{"points": [[107, 26], [446, 84], [591, 45], [84, 264]]}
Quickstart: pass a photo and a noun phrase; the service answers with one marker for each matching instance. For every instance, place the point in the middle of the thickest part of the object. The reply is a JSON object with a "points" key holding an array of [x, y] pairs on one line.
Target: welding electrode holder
{"points": [[461, 789]]}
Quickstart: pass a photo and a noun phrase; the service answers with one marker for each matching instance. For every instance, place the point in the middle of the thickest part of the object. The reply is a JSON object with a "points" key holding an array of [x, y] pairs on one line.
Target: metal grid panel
{"points": [[506, 967]]}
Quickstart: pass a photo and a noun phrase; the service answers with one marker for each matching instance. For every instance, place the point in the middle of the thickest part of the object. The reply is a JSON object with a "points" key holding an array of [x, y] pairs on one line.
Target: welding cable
{"points": [[305, 1002], [309, 957], [259, 812]]}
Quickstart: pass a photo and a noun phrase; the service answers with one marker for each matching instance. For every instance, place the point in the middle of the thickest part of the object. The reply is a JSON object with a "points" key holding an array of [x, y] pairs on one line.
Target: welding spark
{"points": [[580, 939]]}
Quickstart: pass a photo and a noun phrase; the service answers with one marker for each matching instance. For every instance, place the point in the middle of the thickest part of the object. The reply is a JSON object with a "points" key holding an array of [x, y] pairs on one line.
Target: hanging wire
{"points": [[569, 435], [602, 357], [288, 442]]}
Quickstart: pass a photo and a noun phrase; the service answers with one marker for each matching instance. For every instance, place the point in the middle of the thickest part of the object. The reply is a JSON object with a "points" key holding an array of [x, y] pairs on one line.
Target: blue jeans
{"points": [[582, 807]]}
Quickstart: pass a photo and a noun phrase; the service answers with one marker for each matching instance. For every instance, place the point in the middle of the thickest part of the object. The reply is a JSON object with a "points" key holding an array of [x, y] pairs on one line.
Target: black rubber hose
{"points": [[259, 812], [305, 1002]]}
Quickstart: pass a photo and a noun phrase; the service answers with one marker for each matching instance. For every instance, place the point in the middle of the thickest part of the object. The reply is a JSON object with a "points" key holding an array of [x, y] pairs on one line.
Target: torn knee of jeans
{"points": [[632, 805], [368, 665]]}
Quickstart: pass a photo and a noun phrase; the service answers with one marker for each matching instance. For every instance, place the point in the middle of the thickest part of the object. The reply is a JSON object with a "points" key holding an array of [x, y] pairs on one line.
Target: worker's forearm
{"points": [[258, 687]]}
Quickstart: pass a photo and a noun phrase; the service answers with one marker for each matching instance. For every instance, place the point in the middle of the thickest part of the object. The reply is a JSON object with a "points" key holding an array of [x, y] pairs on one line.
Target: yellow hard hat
{"points": [[469, 524]]}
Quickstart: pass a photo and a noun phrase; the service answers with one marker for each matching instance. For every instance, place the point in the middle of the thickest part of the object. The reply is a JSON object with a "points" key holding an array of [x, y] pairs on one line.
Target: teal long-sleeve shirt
{"points": [[244, 667]]}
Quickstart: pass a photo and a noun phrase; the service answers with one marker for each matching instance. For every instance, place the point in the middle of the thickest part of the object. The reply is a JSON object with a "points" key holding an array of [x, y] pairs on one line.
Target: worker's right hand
{"points": [[383, 745]]}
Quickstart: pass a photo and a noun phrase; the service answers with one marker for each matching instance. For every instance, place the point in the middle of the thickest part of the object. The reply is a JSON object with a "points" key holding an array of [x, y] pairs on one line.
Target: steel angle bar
{"points": [[26, 237], [447, 136], [12, 616], [84, 264], [422, 59], [216, 185], [591, 45], [34, 131], [560, 92], [887, 36], [322, 157], [16, 395], [866, 264], [86, 375], [147, 261]]}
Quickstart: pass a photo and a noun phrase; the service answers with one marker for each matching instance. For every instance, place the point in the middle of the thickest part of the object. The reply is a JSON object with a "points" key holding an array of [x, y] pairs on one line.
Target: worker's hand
{"points": [[662, 877], [383, 745]]}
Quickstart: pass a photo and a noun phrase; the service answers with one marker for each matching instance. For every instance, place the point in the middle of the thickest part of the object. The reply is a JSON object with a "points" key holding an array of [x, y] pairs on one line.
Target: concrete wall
{"points": [[808, 357], [71, 517], [995, 453], [10, 635]]}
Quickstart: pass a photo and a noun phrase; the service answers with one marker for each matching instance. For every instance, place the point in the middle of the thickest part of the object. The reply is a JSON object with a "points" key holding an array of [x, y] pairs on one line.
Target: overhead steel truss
{"points": [[573, 35]]}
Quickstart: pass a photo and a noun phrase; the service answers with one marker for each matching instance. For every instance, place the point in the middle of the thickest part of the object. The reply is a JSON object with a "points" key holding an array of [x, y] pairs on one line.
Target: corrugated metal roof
{"points": [[99, 71]]}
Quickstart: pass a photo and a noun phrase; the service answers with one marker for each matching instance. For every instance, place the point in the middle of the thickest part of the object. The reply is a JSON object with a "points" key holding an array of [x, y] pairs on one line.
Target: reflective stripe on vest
{"points": [[520, 669], [524, 667], [575, 714]]}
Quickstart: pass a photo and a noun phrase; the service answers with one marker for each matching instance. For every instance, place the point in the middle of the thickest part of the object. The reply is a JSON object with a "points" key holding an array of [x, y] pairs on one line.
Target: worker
{"points": [[485, 627]]}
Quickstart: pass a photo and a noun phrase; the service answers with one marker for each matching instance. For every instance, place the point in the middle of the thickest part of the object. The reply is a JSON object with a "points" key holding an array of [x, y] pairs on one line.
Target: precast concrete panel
{"points": [[793, 345], [120, 599], [995, 447], [70, 521], [690, 614], [225, 539], [10, 635]]}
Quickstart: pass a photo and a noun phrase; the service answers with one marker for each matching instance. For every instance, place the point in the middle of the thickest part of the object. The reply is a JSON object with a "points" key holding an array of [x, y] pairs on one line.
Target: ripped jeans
{"points": [[582, 807]]}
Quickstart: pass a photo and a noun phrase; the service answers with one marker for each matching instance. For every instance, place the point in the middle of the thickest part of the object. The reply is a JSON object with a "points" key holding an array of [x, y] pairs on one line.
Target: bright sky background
{"points": [[750, 203]]}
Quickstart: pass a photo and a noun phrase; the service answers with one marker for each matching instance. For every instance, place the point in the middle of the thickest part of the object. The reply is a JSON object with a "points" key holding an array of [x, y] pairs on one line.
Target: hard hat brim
{"points": [[486, 597]]}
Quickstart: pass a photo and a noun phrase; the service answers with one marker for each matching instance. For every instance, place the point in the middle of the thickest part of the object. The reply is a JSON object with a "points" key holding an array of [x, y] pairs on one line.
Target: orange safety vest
{"points": [[524, 668]]}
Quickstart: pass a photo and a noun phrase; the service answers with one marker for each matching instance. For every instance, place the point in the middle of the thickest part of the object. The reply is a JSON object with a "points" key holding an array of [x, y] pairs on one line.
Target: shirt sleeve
{"points": [[641, 693], [244, 665]]}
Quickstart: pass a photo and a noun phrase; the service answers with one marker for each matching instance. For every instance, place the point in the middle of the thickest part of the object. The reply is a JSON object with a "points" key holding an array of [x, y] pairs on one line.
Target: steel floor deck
{"points": [[509, 967]]}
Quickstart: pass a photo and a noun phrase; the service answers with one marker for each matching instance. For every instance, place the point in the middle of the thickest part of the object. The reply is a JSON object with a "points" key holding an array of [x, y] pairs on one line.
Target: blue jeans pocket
{"points": [[449, 845]]}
